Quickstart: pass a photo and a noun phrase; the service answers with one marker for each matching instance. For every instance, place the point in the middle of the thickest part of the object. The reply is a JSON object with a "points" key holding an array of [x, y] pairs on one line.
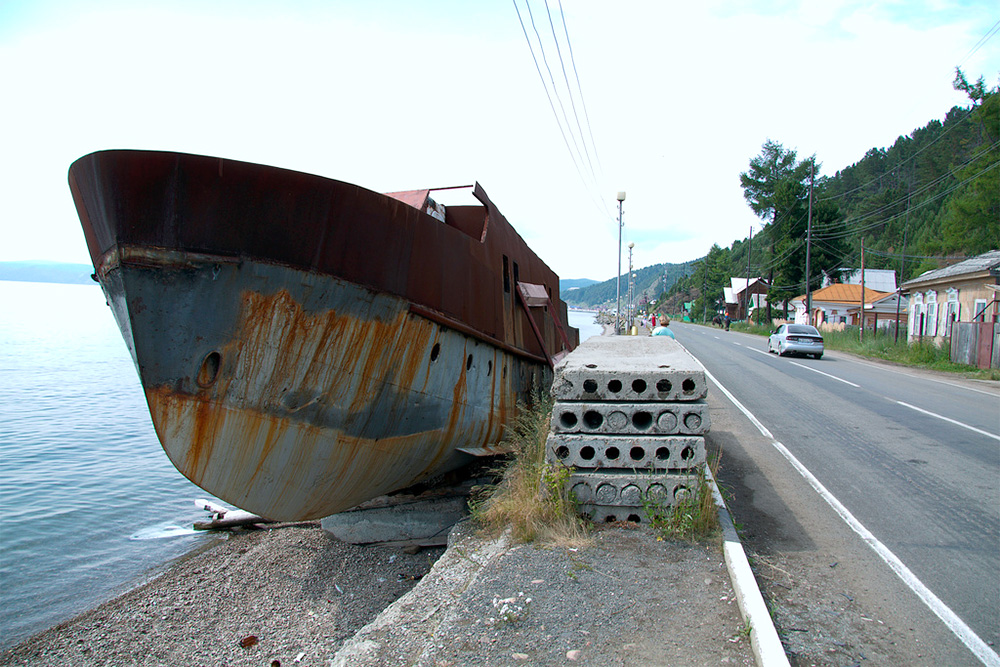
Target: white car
{"points": [[796, 339]]}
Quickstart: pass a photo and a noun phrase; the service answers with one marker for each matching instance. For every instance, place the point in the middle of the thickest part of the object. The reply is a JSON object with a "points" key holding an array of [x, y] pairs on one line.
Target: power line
{"points": [[551, 104], [955, 124], [991, 33], [569, 89], [555, 90], [576, 74], [590, 185], [915, 206]]}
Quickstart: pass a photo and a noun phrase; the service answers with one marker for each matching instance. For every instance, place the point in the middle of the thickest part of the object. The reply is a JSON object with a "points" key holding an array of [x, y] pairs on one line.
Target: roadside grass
{"points": [[921, 354], [750, 328], [530, 497], [694, 518], [884, 346]]}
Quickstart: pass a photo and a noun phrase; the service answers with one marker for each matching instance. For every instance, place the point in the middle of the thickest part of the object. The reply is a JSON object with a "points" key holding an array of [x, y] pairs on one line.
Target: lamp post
{"points": [[618, 276], [631, 289]]}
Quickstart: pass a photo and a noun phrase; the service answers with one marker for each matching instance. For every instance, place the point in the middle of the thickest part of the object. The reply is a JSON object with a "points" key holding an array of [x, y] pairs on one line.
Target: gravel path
{"points": [[294, 595]]}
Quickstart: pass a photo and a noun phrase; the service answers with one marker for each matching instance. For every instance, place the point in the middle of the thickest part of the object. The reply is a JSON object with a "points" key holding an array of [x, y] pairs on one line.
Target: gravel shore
{"points": [[295, 595]]}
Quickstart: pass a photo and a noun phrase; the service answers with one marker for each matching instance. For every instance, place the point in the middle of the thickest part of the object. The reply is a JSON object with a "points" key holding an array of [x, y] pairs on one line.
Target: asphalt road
{"points": [[914, 457]]}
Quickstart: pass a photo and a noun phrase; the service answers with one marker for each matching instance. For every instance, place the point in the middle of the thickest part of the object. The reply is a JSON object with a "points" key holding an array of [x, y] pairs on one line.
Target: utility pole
{"points": [[862, 339], [902, 259], [618, 276], [631, 291], [809, 227], [749, 250]]}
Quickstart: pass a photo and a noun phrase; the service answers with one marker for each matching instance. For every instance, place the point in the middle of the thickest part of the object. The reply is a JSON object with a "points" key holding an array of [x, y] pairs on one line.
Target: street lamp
{"points": [[631, 289], [618, 276]]}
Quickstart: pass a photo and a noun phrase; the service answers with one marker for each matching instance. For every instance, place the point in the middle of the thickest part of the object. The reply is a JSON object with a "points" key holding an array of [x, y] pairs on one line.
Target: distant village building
{"points": [[880, 280], [962, 292], [841, 304], [738, 294]]}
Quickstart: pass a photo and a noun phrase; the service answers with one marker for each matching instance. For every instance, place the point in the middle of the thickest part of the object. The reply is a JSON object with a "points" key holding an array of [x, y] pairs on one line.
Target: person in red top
{"points": [[654, 321]]}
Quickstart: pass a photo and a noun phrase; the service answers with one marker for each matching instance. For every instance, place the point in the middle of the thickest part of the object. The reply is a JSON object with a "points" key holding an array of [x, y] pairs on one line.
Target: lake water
{"points": [[89, 504], [584, 321]]}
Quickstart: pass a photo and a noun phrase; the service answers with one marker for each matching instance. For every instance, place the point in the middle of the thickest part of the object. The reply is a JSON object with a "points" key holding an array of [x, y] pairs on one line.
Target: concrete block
{"points": [[629, 368], [602, 514], [656, 452], [631, 418], [419, 520], [628, 489]]}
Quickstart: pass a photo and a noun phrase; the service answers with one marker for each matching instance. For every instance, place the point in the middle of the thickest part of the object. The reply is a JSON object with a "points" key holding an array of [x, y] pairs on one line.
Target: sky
{"points": [[665, 101]]}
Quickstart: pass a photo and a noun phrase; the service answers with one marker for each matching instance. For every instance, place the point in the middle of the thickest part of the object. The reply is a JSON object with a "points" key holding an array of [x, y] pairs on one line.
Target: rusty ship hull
{"points": [[305, 344]]}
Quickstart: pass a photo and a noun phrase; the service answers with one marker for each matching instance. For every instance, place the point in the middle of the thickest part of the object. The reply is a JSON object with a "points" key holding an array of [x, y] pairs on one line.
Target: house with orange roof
{"points": [[840, 303]]}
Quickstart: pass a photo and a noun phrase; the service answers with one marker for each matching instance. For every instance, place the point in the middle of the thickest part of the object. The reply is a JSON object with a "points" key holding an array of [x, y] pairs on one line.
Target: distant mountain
{"points": [[34, 271], [650, 282], [575, 283]]}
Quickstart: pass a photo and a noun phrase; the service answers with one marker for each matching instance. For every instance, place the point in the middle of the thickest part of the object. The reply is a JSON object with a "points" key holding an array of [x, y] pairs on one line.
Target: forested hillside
{"points": [[650, 283], [930, 199]]}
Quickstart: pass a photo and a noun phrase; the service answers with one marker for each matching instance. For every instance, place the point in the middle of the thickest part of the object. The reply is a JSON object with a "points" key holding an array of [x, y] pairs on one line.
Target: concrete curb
{"points": [[764, 639]]}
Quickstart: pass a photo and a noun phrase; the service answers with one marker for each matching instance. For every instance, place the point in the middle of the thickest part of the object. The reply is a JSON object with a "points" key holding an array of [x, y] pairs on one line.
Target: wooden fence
{"points": [[976, 344]]}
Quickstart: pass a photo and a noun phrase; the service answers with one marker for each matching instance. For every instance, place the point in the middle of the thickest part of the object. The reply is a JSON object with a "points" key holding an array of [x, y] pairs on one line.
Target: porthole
{"points": [[435, 351], [209, 371]]}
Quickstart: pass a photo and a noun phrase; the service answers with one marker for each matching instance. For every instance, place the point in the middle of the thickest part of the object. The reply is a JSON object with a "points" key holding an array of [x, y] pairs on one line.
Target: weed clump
{"points": [[692, 518], [531, 496]]}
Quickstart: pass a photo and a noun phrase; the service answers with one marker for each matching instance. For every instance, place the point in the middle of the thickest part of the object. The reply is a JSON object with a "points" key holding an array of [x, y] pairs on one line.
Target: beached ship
{"points": [[305, 344]]}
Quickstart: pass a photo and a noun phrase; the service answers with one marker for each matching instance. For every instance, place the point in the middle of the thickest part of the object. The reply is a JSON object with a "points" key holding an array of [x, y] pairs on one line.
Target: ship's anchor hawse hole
{"points": [[209, 370]]}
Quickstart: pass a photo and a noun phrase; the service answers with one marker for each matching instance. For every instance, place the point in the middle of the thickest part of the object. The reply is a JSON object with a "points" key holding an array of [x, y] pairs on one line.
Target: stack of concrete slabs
{"points": [[630, 418]]}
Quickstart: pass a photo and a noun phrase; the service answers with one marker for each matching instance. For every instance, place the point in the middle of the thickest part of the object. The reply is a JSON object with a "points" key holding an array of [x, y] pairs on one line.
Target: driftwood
{"points": [[223, 517]]}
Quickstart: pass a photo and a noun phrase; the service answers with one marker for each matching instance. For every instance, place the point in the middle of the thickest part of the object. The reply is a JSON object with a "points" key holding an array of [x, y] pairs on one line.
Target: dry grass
{"points": [[530, 497]]}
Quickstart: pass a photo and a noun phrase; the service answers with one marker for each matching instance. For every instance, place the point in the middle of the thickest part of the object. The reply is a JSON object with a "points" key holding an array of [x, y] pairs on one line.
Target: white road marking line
{"points": [[921, 377], [810, 368], [952, 421], [759, 351], [958, 627]]}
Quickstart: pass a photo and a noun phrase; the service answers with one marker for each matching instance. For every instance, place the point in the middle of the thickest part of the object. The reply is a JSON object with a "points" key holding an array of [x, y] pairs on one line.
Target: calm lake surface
{"points": [[90, 506], [89, 503]]}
